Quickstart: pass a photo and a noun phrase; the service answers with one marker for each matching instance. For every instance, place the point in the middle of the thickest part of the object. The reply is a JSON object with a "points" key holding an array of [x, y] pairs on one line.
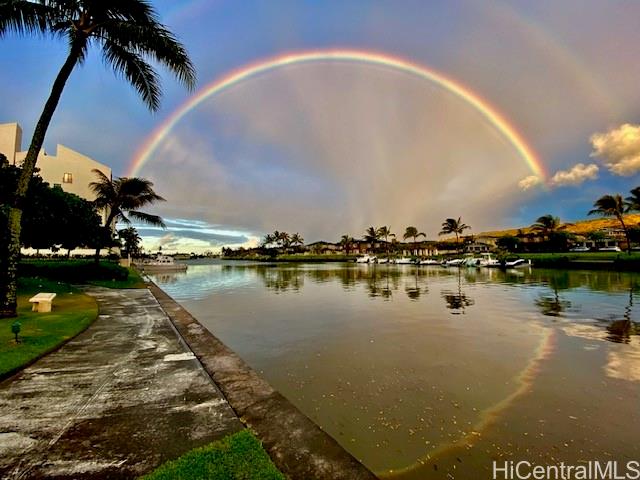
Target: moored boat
{"points": [[455, 262], [161, 263], [518, 263], [487, 260], [404, 260], [429, 261]]}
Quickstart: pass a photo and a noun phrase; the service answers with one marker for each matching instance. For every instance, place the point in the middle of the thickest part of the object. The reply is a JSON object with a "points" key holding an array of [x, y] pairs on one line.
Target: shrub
{"points": [[73, 271]]}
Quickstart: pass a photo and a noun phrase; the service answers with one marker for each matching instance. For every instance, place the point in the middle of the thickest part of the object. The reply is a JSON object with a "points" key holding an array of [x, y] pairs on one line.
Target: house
{"points": [[477, 247], [605, 242], [323, 248], [490, 240], [419, 249]]}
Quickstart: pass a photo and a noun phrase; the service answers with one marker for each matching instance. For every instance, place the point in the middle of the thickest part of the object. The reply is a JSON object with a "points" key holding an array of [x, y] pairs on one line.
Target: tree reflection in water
{"points": [[621, 331], [413, 289], [553, 305], [281, 279], [457, 301]]}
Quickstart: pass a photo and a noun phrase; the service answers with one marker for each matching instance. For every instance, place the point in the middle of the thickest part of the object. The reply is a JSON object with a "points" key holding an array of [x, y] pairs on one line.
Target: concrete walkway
{"points": [[115, 402]]}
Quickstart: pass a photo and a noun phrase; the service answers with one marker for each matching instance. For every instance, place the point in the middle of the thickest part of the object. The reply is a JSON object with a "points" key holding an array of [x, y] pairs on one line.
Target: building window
{"points": [[67, 178]]}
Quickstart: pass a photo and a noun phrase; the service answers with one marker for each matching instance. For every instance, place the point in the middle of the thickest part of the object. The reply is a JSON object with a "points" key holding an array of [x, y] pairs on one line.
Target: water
{"points": [[426, 372]]}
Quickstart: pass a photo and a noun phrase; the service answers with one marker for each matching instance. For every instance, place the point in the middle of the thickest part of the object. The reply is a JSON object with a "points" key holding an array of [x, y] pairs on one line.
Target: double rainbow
{"points": [[490, 113]]}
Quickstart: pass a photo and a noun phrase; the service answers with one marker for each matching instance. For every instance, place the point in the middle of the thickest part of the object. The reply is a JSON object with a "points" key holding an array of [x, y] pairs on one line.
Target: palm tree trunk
{"points": [[458, 243], [626, 234], [9, 300], [107, 226]]}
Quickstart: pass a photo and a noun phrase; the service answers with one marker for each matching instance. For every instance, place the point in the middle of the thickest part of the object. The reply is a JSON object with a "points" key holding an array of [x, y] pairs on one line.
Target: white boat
{"points": [[383, 260], [429, 261], [487, 260], [471, 262], [366, 259], [403, 260], [161, 263], [456, 262], [519, 263]]}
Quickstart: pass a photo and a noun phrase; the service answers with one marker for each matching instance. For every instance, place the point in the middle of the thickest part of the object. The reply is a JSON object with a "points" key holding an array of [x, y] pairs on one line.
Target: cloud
{"points": [[529, 182], [619, 149], [214, 239], [576, 175]]}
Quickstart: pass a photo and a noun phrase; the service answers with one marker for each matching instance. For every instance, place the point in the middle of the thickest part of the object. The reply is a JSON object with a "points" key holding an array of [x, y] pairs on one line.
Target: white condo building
{"points": [[69, 169]]}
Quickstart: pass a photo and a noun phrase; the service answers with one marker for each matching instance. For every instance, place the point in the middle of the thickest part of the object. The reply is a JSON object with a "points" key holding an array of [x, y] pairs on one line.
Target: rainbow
{"points": [[490, 113]]}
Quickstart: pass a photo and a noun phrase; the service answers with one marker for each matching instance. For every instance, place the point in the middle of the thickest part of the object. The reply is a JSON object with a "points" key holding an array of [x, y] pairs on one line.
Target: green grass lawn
{"points": [[237, 457], [72, 312]]}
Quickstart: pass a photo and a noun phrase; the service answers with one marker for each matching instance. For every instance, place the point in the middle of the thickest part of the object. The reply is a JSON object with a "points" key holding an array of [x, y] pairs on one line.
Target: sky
{"points": [[329, 147]]}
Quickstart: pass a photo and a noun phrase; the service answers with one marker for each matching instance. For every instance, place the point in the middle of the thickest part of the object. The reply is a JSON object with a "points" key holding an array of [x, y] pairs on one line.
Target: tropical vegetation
{"points": [[52, 218], [451, 225], [129, 36], [122, 198], [130, 242], [412, 232], [616, 206]]}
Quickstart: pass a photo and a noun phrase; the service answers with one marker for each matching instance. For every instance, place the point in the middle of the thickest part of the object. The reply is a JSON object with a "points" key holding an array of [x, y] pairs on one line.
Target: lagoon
{"points": [[427, 372]]}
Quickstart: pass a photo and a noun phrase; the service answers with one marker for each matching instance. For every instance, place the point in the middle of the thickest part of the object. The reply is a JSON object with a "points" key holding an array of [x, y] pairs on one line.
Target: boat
{"points": [[487, 260], [429, 261], [471, 262], [456, 262], [383, 260], [366, 259], [404, 260], [519, 263], [162, 263]]}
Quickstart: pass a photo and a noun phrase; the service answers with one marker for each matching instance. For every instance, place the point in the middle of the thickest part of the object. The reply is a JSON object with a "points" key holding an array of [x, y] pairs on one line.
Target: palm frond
{"points": [[138, 72], [103, 189], [155, 41], [25, 17], [147, 218]]}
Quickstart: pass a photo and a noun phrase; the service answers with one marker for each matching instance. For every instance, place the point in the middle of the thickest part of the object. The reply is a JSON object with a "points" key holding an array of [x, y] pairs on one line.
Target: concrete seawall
{"points": [[298, 447]]}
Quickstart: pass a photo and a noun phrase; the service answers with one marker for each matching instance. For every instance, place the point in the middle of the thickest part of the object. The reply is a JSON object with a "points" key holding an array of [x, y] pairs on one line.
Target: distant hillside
{"points": [[581, 227]]}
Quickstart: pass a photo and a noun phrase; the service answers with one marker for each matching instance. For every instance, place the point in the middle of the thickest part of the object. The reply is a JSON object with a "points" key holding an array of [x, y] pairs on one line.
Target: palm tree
{"points": [[268, 240], [372, 235], [129, 236], [451, 225], [346, 241], [633, 201], [297, 240], [412, 232], [385, 232], [284, 238], [128, 34], [546, 225], [122, 198], [613, 206]]}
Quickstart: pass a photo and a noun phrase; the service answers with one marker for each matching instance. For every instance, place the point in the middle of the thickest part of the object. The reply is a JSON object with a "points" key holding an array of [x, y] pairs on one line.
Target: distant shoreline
{"points": [[563, 260]]}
